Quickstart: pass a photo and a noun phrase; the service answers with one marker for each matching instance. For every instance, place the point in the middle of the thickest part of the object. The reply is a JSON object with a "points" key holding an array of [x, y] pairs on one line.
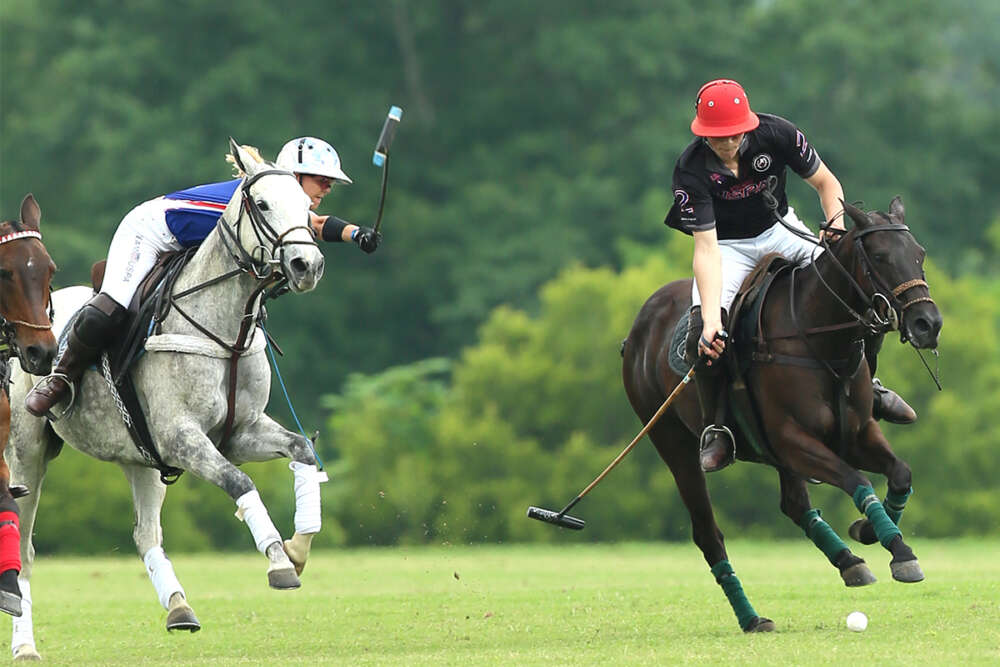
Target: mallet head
{"points": [[555, 518]]}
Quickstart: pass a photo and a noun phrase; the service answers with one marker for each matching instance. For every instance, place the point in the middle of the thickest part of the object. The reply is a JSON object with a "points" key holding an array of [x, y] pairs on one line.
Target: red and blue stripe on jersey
{"points": [[197, 211]]}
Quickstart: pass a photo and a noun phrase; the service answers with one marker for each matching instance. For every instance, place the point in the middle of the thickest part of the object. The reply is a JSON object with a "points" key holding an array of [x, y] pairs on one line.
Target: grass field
{"points": [[648, 604]]}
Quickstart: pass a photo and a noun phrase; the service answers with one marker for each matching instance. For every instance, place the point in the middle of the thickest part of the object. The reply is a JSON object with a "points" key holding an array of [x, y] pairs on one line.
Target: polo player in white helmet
{"points": [[317, 166], [178, 220]]}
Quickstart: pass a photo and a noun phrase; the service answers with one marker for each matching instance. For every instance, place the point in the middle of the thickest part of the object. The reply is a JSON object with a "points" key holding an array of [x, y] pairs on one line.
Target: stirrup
{"points": [[52, 415], [724, 431]]}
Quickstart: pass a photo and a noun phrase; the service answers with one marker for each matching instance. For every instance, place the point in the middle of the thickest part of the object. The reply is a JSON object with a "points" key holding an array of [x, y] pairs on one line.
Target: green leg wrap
{"points": [[894, 504], [868, 504], [822, 535], [725, 577]]}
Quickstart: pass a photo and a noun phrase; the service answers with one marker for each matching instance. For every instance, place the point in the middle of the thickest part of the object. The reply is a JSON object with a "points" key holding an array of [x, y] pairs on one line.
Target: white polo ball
{"points": [[857, 621]]}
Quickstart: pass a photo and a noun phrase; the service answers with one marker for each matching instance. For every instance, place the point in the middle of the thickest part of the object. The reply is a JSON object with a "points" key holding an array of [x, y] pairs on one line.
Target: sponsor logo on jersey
{"points": [[762, 162]]}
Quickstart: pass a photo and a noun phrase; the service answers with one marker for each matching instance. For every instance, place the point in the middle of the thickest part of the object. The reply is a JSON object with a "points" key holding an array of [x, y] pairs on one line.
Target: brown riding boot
{"points": [[890, 406], [94, 327], [717, 448]]}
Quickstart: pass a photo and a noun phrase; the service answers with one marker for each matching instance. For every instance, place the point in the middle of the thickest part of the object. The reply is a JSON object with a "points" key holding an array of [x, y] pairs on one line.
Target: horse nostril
{"points": [[298, 267], [33, 354], [921, 326]]}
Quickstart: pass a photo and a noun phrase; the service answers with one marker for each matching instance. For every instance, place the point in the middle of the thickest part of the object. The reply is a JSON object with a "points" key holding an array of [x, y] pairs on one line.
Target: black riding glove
{"points": [[367, 239]]}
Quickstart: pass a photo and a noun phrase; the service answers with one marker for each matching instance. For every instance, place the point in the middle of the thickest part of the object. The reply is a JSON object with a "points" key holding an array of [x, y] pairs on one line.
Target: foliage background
{"points": [[470, 367]]}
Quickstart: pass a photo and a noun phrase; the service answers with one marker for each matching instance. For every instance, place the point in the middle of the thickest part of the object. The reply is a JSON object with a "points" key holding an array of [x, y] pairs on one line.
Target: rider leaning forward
{"points": [[718, 184], [173, 222]]}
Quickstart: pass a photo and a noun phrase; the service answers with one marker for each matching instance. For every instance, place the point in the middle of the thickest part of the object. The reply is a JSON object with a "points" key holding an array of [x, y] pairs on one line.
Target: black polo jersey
{"points": [[707, 195]]}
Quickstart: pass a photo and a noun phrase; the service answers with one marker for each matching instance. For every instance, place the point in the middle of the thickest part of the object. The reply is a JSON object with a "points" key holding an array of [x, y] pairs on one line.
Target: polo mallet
{"points": [[560, 518], [381, 156]]}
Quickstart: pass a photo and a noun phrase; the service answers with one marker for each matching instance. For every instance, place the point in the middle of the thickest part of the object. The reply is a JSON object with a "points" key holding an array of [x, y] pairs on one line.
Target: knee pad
{"points": [[99, 321]]}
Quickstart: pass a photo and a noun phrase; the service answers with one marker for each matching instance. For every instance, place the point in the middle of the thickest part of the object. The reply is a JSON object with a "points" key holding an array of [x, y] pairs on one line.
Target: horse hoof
{"points": [[283, 579], [760, 624], [10, 603], [19, 490], [858, 575], [296, 554], [182, 618], [908, 571], [26, 652], [862, 531]]}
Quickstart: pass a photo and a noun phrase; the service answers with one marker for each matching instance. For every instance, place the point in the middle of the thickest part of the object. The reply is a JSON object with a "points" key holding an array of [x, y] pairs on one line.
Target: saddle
{"points": [[145, 312]]}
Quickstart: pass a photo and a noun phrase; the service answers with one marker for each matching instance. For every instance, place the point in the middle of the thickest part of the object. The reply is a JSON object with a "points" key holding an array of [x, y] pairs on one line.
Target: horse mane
{"points": [[15, 225]]}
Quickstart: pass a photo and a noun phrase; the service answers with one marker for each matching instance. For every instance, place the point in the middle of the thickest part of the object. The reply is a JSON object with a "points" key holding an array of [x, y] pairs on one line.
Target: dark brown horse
{"points": [[25, 333], [814, 405]]}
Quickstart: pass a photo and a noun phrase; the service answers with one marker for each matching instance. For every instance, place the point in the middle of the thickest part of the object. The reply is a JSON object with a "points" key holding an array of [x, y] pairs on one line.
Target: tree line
{"points": [[536, 150]]}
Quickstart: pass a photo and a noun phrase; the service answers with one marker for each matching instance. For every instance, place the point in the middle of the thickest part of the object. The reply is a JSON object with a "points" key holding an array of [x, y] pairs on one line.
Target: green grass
{"points": [[526, 605]]}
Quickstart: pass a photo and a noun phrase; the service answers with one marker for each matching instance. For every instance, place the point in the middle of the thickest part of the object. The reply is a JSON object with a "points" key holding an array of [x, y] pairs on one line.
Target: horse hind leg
{"points": [[148, 493], [678, 448], [795, 505]]}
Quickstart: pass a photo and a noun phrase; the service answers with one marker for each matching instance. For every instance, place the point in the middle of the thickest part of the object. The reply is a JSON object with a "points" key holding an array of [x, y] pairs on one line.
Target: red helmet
{"points": [[723, 110]]}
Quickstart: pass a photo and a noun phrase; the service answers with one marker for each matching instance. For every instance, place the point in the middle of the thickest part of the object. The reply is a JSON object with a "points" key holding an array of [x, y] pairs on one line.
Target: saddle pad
{"points": [[676, 357]]}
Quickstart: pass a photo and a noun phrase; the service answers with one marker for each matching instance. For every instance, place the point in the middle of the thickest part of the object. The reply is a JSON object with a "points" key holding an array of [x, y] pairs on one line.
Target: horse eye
{"points": [[881, 257], [262, 205]]}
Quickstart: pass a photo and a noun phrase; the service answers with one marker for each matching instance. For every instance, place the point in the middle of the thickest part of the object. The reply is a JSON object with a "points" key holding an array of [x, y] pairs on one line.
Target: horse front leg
{"points": [[265, 439], [192, 450], [875, 455], [10, 524], [31, 445], [796, 506], [808, 457], [148, 493]]}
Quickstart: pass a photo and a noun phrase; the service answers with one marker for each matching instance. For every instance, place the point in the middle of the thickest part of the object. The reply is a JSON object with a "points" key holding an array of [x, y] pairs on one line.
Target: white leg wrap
{"points": [[161, 573], [23, 631], [250, 509], [308, 517]]}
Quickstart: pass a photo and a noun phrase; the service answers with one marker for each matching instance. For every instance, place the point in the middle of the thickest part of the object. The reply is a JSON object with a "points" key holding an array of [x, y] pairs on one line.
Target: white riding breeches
{"points": [[740, 256], [139, 240]]}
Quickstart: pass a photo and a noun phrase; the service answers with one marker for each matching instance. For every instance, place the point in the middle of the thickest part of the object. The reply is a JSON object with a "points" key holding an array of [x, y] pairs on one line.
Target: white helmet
{"points": [[309, 155]]}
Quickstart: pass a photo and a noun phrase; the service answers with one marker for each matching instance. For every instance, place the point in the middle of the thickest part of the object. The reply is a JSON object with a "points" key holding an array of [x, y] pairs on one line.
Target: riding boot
{"points": [[886, 404], [96, 325], [717, 445], [717, 448]]}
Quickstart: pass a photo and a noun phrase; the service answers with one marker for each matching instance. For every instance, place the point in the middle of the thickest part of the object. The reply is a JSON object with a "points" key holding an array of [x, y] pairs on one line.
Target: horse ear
{"points": [[237, 153], [860, 218], [896, 209], [31, 213]]}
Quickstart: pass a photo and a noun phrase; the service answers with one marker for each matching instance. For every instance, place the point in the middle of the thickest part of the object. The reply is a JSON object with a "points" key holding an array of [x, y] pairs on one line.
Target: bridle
{"points": [[262, 270], [268, 240], [8, 331], [883, 296]]}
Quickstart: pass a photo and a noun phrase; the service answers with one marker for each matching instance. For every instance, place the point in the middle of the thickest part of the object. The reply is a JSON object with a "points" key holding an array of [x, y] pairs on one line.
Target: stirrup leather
{"points": [[52, 415]]}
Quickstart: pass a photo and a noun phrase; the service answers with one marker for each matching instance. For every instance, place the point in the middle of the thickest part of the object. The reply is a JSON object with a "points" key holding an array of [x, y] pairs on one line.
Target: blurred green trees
{"points": [[529, 181]]}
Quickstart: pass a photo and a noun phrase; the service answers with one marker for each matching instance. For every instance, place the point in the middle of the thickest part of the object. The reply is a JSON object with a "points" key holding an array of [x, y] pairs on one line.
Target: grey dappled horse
{"points": [[183, 381]]}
